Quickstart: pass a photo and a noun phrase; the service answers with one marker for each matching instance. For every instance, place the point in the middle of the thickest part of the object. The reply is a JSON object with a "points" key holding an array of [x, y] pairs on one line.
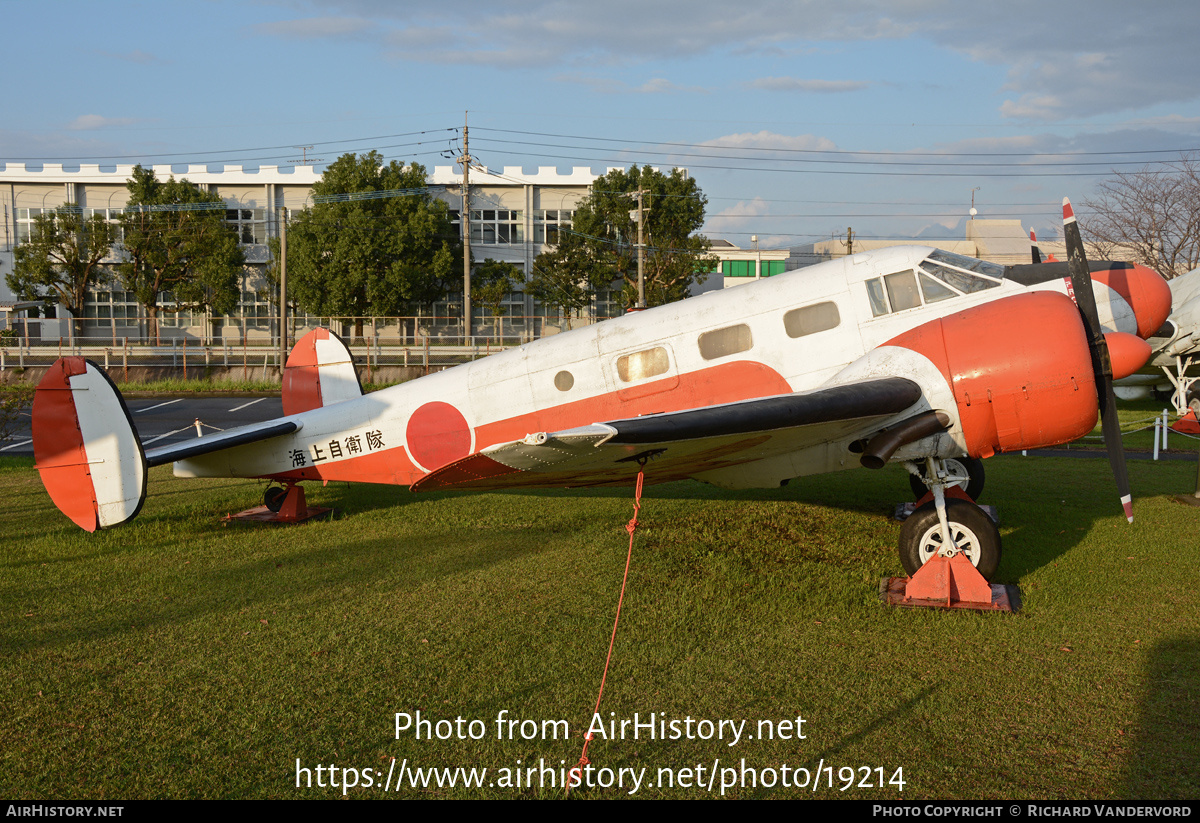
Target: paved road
{"points": [[161, 421]]}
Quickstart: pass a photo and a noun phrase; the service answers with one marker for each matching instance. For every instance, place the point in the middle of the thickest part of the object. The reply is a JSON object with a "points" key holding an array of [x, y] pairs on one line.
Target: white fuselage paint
{"points": [[521, 381]]}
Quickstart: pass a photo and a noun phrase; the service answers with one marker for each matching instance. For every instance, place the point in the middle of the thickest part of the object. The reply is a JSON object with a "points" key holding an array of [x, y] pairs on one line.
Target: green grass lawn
{"points": [[178, 657]]}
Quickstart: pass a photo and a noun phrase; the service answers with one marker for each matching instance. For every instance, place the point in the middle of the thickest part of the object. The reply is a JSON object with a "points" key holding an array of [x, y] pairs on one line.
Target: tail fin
{"points": [[319, 372], [85, 447]]}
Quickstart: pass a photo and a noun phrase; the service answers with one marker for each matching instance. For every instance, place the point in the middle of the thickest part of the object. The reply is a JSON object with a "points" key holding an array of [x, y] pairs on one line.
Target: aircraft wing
{"points": [[682, 443]]}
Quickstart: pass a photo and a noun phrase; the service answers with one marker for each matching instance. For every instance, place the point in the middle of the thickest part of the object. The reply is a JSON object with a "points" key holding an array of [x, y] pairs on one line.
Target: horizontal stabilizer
{"points": [[251, 433]]}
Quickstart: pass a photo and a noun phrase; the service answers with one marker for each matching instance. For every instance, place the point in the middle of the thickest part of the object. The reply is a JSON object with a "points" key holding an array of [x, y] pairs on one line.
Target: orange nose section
{"points": [[1146, 293], [1128, 353]]}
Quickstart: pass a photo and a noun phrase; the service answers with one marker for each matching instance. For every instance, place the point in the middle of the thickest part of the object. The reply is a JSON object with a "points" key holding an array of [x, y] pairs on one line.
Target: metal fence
{"points": [[197, 330], [247, 361]]}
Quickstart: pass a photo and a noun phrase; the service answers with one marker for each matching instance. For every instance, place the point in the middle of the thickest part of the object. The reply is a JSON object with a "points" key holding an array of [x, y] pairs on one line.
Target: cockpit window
{"points": [[961, 261], [934, 290], [961, 280], [902, 290]]}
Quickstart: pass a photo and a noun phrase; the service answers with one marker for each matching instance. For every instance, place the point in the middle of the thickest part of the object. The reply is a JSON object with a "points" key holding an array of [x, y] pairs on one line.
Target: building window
{"points": [[112, 306], [745, 268], [250, 224], [25, 221], [497, 226], [547, 222]]}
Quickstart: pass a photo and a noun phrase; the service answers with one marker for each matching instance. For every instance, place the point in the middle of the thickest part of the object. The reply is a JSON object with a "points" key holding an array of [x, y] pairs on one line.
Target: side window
{"points": [[878, 301], [724, 342], [819, 317], [902, 290], [642, 364]]}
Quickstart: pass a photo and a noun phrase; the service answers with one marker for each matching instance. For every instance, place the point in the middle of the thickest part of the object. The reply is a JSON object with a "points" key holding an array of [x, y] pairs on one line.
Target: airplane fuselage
{"points": [[789, 333]]}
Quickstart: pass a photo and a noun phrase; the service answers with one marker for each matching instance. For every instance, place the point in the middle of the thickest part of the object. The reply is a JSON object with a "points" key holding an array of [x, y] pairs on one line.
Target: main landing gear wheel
{"points": [[273, 498], [969, 466], [974, 534]]}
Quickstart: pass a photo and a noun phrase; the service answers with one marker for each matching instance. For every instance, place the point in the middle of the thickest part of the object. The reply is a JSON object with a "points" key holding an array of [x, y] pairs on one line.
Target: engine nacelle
{"points": [[1019, 369]]}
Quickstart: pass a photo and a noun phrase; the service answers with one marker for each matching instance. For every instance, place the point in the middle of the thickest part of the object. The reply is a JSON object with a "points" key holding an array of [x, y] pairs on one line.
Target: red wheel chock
{"points": [[293, 510], [949, 582]]}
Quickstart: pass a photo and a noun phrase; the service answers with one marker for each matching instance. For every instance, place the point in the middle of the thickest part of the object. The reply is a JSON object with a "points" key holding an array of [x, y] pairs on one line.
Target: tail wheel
{"points": [[273, 498], [973, 531], [969, 466]]}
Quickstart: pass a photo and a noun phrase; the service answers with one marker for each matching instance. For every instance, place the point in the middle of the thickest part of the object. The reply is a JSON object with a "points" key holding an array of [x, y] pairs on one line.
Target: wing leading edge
{"points": [[682, 443]]}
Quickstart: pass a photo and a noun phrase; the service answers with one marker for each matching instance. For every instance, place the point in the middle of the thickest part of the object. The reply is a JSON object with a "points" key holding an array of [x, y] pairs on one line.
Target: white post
{"points": [[1166, 424], [1157, 422]]}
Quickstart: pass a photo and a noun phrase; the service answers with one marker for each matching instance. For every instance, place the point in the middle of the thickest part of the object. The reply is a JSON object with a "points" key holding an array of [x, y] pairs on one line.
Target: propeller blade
{"points": [[1085, 299], [1037, 253]]}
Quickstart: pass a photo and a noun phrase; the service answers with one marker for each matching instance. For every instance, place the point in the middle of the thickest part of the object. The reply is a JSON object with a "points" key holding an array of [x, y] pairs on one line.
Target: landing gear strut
{"points": [[964, 472]]}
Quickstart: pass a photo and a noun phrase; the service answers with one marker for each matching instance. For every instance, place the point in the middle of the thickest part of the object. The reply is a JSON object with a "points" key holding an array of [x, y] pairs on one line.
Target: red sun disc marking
{"points": [[437, 434]]}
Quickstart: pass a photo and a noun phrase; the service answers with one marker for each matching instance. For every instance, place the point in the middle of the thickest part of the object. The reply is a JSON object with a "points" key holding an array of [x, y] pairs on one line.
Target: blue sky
{"points": [[797, 118]]}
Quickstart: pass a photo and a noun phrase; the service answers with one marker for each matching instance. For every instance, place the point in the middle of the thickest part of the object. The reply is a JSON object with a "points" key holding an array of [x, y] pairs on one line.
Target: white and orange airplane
{"points": [[906, 354]]}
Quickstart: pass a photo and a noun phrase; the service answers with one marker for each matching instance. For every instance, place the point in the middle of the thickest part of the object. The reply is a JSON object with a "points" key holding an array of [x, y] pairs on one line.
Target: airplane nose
{"points": [[1144, 290]]}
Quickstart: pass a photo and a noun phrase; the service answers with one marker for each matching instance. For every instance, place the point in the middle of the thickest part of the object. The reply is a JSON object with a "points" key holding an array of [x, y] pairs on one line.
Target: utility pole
{"points": [[465, 162], [849, 241], [283, 320], [641, 246]]}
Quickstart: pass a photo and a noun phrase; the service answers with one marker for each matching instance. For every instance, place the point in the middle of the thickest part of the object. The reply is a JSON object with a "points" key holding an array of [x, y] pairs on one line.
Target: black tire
{"points": [[273, 498], [974, 533], [973, 468]]}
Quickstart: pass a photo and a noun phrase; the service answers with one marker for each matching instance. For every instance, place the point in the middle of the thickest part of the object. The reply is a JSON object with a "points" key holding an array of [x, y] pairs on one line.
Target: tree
{"points": [[179, 253], [374, 241], [1153, 213], [62, 259], [491, 282], [673, 211], [568, 276]]}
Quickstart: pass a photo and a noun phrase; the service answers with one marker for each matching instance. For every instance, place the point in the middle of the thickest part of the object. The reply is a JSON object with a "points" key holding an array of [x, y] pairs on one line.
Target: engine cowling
{"points": [[1019, 369]]}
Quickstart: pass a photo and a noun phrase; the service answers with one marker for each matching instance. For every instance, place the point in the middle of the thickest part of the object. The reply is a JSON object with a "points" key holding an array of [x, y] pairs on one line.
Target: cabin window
{"points": [[902, 290], [819, 317], [642, 364], [724, 342], [564, 380], [935, 291]]}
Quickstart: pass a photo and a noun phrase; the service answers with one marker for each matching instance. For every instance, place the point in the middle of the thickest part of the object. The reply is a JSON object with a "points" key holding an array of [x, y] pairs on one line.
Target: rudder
{"points": [[319, 372]]}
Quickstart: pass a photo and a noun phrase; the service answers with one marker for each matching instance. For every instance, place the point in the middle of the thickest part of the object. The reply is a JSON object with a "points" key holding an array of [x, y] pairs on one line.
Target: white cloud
{"points": [[90, 122], [768, 140], [801, 85], [314, 28], [143, 58], [1064, 60], [608, 85]]}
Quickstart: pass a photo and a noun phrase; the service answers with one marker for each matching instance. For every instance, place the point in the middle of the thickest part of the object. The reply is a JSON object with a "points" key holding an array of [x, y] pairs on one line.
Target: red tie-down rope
{"points": [[576, 774]]}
